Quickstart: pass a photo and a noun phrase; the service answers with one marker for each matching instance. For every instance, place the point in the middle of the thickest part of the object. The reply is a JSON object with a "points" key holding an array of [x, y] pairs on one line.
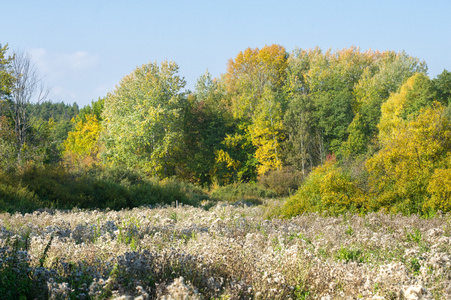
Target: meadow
{"points": [[229, 251], [158, 192]]}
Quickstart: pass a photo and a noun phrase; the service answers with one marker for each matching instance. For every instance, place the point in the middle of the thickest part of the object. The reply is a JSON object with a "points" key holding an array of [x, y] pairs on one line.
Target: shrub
{"points": [[284, 181], [328, 188], [242, 191], [440, 189], [55, 187]]}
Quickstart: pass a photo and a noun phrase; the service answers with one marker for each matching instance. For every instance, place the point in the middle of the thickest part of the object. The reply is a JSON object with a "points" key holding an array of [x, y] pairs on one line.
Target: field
{"points": [[226, 252]]}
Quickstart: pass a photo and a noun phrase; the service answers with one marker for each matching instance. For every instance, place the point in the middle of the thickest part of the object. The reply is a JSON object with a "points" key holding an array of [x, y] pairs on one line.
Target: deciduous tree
{"points": [[142, 119], [27, 87]]}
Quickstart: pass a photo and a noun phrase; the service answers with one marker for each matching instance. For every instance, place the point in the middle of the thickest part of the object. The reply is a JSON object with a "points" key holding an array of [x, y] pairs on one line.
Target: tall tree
{"points": [[403, 174], [142, 119], [250, 72], [6, 129], [254, 83], [206, 123], [415, 139], [6, 78], [27, 88], [384, 76], [267, 131], [442, 85]]}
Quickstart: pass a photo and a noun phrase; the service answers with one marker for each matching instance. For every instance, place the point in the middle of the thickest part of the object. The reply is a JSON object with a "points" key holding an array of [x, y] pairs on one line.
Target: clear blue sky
{"points": [[84, 48]]}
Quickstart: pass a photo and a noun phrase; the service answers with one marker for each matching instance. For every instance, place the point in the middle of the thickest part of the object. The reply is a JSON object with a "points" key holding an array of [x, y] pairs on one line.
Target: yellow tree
{"points": [[249, 73], [387, 72], [414, 94], [82, 145], [254, 82], [414, 137], [439, 188], [412, 150], [267, 132]]}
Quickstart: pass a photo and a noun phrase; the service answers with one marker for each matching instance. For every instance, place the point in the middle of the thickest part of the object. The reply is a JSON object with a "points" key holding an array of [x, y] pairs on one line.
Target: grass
{"points": [[56, 188]]}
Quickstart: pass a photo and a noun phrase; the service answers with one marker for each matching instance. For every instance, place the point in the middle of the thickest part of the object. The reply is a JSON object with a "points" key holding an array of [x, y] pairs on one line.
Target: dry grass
{"points": [[228, 252]]}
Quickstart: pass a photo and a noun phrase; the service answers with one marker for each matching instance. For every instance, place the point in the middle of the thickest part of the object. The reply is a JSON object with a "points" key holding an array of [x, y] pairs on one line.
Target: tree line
{"points": [[363, 130]]}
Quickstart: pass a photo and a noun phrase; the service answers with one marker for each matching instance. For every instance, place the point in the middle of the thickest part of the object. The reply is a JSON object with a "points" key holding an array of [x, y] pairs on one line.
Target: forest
{"points": [[311, 174], [336, 131]]}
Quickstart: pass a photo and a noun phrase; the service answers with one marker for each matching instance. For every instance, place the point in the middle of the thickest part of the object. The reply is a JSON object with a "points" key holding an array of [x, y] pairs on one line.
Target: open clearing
{"points": [[227, 252]]}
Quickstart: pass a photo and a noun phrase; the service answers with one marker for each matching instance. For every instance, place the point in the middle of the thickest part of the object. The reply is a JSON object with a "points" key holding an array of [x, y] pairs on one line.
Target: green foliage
{"points": [[7, 144], [242, 191], [273, 116], [6, 78], [95, 108], [236, 161], [348, 255], [384, 76], [57, 111], [333, 114], [442, 85], [328, 188], [55, 187], [142, 120], [303, 140], [206, 124], [15, 273]]}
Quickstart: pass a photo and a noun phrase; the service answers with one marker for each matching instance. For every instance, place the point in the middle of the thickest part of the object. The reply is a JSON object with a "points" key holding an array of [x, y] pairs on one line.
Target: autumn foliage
{"points": [[351, 130]]}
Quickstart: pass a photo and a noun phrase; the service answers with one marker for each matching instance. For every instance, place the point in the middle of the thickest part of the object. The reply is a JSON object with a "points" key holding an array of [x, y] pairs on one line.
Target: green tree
{"points": [[142, 120], [7, 151], [7, 144], [384, 76], [206, 124], [93, 109], [333, 113], [302, 148], [442, 85], [6, 77], [320, 89]]}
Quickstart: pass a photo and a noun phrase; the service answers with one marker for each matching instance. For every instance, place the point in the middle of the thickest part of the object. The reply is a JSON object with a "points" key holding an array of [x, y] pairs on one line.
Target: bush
{"points": [[328, 188], [14, 196], [284, 181], [55, 187], [440, 190], [242, 191]]}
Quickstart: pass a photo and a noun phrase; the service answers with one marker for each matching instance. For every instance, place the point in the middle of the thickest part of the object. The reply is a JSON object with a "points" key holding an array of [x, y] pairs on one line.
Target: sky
{"points": [[83, 48]]}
